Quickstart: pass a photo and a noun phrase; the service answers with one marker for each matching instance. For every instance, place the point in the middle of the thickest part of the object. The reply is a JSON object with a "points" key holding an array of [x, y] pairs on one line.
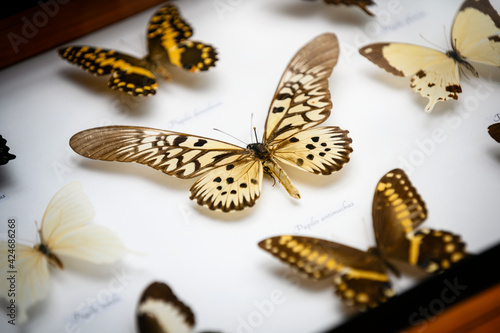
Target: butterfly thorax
{"points": [[260, 151], [51, 257], [461, 61]]}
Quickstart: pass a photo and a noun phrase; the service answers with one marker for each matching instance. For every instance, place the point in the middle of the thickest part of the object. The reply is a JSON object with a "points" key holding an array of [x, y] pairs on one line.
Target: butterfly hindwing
{"points": [[360, 277], [5, 156], [302, 99], [360, 3], [494, 131], [128, 74], [160, 311], [433, 73], [234, 186], [321, 150]]}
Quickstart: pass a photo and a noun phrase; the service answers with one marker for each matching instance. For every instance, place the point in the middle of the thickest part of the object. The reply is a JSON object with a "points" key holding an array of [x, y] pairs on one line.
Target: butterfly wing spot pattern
{"points": [[167, 43], [231, 176], [475, 36], [360, 277]]}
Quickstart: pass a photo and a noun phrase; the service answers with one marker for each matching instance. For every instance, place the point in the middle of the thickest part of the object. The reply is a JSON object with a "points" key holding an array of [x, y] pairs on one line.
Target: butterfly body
{"points": [[231, 176], [475, 36], [168, 43], [51, 258], [361, 277]]}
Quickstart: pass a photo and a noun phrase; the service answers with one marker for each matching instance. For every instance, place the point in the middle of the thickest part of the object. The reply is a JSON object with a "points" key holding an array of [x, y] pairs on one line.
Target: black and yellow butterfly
{"points": [[361, 277], [475, 36], [160, 311], [231, 175], [494, 131], [168, 42]]}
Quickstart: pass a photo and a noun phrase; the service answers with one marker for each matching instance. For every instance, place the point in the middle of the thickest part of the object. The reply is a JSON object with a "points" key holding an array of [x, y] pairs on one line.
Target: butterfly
{"points": [[64, 233], [5, 156], [494, 131], [360, 3], [160, 311], [475, 36], [361, 277], [231, 175], [168, 42]]}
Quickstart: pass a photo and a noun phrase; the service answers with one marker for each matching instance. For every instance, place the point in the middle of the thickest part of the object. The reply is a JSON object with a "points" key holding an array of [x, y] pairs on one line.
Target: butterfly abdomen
{"points": [[51, 257], [462, 62], [436, 250]]}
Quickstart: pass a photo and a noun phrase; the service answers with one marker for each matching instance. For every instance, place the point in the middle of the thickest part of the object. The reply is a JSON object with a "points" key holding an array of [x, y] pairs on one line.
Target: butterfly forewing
{"points": [[476, 32], [302, 99], [494, 131], [128, 74], [160, 311], [360, 277], [234, 186], [321, 150], [176, 154], [168, 27]]}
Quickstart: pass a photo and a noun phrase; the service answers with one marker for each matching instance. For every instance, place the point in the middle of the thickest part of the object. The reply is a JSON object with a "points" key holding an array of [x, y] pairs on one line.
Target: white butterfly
{"points": [[475, 36], [231, 175], [64, 232]]}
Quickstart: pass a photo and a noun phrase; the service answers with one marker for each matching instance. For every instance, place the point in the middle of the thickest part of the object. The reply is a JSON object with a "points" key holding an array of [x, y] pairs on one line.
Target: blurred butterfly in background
{"points": [[168, 42], [360, 3], [64, 233], [231, 175], [475, 36], [361, 278], [160, 311], [494, 131], [5, 156]]}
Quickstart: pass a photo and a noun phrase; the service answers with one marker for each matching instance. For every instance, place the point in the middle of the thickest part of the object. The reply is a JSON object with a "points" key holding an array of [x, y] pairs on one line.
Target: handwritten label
{"points": [[193, 114], [326, 216]]}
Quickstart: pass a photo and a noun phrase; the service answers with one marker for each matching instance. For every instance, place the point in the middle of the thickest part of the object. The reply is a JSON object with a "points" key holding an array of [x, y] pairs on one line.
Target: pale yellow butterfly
{"points": [[231, 175], [475, 36], [64, 233]]}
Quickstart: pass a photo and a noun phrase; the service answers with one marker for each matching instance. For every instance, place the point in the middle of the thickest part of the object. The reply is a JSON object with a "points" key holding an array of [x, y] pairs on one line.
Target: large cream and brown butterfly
{"points": [[160, 311], [65, 232], [475, 36], [168, 42], [231, 175], [494, 131], [361, 277]]}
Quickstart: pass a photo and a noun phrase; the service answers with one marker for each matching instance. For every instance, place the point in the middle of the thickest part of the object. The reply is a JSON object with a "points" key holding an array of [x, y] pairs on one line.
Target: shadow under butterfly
{"points": [[160, 311], [168, 43], [475, 36], [231, 176], [361, 277]]}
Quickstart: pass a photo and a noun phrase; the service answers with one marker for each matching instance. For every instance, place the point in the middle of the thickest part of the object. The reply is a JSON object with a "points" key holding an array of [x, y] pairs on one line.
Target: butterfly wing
{"points": [[360, 3], [128, 74], [302, 99], [476, 32], [434, 74], [168, 31], [160, 311], [360, 277], [397, 212], [494, 131], [31, 276], [5, 156]]}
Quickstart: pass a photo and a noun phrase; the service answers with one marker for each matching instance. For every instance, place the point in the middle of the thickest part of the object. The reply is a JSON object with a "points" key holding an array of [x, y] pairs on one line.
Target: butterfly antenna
{"points": [[433, 44], [218, 130], [255, 132]]}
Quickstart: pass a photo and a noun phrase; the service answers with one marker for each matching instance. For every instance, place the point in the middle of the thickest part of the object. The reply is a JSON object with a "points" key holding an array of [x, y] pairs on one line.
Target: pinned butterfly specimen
{"points": [[361, 277], [231, 176], [494, 131], [168, 42], [475, 36], [360, 3], [160, 311], [5, 156], [64, 233]]}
